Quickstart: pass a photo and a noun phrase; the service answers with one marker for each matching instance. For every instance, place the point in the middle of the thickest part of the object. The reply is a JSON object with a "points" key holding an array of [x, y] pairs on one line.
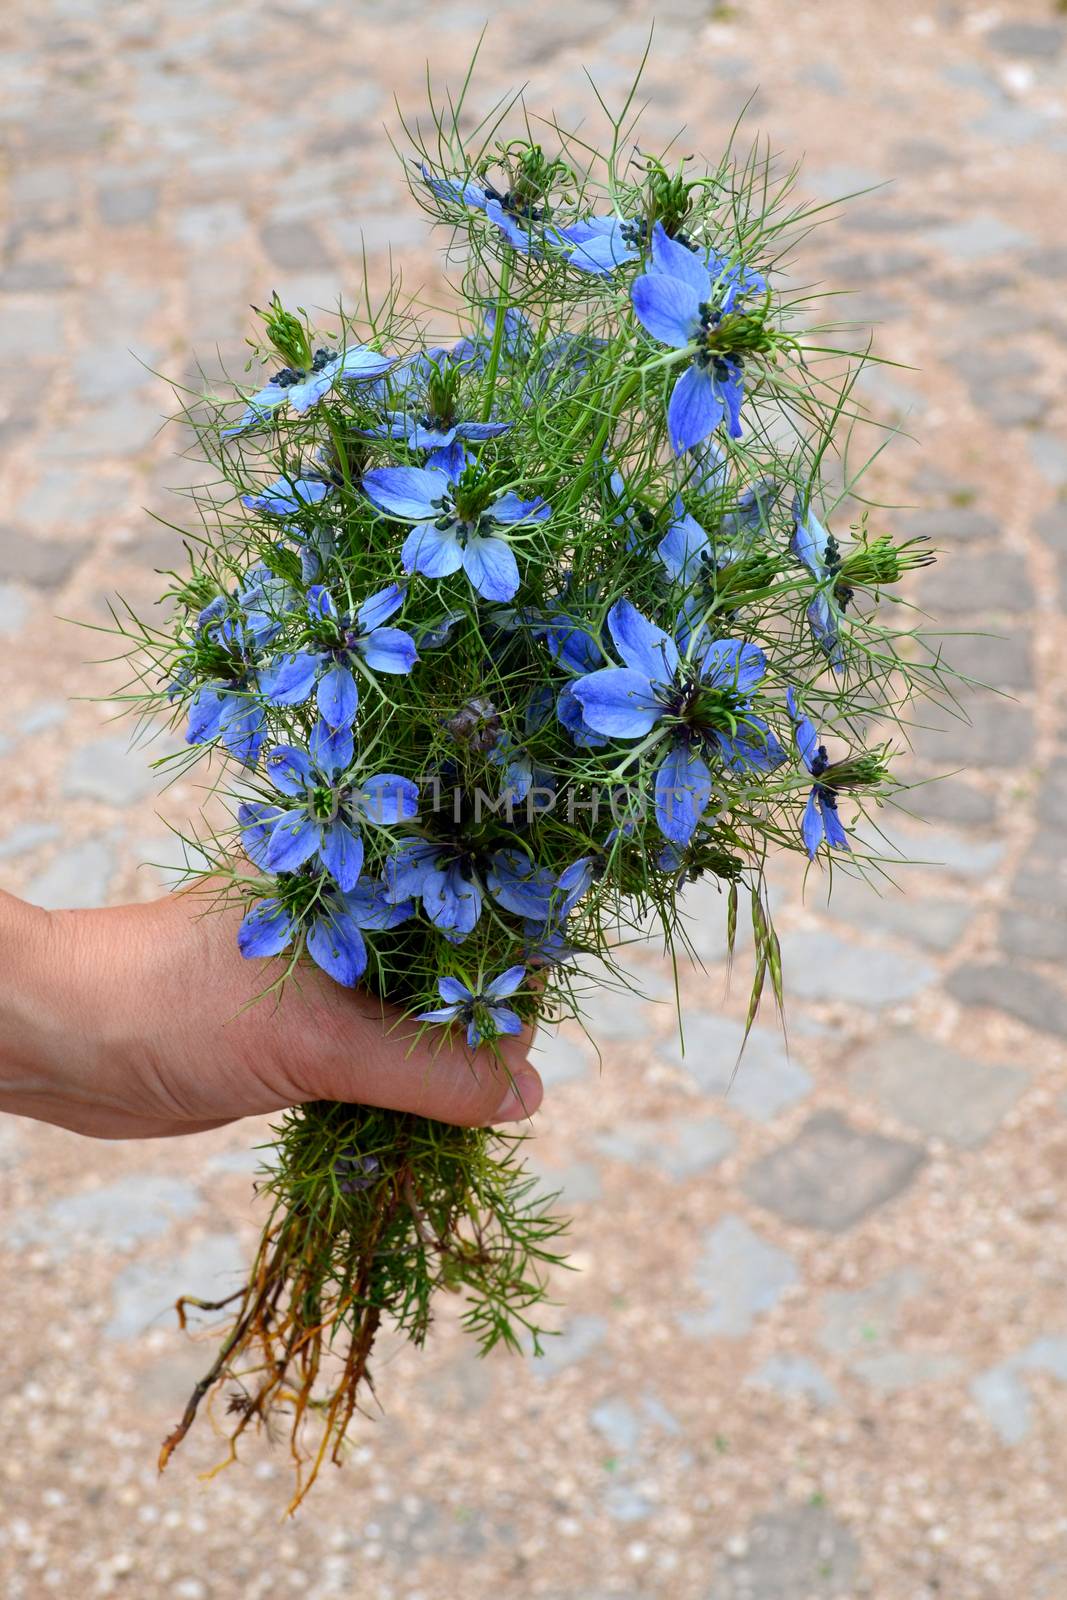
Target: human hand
{"points": [[138, 1021]]}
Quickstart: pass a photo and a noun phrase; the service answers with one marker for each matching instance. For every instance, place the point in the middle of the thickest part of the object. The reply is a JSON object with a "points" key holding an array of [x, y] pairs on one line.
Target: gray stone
{"points": [[618, 1423], [1011, 408], [795, 1553], [934, 1089], [45, 563], [1037, 935], [79, 876], [794, 1375], [856, 1322], [35, 277], [963, 855], [952, 800], [1041, 881], [558, 1057], [612, 1012], [978, 237], [109, 769], [1048, 263], [116, 1217], [131, 204], [14, 610], [576, 1183], [871, 266], [1012, 125], [623, 1502], [820, 966], [1052, 796], [1004, 1401], [831, 1174], [935, 924], [942, 524], [998, 660], [26, 836], [761, 1083], [45, 714], [741, 1276], [976, 583], [893, 1371], [577, 1340], [1049, 454], [679, 1147], [295, 246], [997, 733], [1036, 40], [144, 1292], [1015, 991]]}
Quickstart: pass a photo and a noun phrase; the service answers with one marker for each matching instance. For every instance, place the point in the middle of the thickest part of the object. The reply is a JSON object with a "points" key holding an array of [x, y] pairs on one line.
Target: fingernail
{"points": [[522, 1098]]}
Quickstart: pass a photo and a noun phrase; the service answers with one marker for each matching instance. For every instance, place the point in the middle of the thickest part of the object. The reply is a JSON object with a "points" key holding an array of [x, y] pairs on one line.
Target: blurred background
{"points": [[816, 1343]]}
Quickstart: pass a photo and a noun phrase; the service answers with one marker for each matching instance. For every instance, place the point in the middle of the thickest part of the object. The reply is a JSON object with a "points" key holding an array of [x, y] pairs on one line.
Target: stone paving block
{"points": [[1049, 455], [936, 1090], [893, 1371], [583, 1333], [577, 1183], [971, 583], [1037, 935], [951, 800], [14, 609], [997, 733], [560, 1058], [831, 1174], [80, 876], [618, 1423], [115, 1217], [1002, 660], [144, 1292], [741, 1275], [762, 1083], [25, 837], [794, 1375], [678, 1147], [1012, 989], [1037, 41], [26, 557], [963, 525], [978, 236], [935, 924], [821, 966], [129, 205], [859, 1322], [1003, 1396], [108, 769], [794, 1553]]}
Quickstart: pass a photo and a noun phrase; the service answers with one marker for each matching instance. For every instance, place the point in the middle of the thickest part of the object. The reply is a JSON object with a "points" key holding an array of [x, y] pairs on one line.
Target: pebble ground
{"points": [[816, 1346]]}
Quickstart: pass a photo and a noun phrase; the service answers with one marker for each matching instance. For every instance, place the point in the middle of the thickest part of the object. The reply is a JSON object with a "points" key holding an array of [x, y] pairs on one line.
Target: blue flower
{"points": [[333, 938], [534, 893], [686, 546], [443, 877], [283, 838], [817, 550], [480, 1009], [681, 300], [516, 343], [522, 225], [455, 510], [600, 244], [428, 387], [230, 712], [701, 696], [300, 390], [289, 680], [820, 820], [285, 496]]}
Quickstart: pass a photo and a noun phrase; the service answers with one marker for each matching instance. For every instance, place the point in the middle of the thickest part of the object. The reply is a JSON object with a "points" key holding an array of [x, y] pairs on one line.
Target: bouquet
{"points": [[502, 627]]}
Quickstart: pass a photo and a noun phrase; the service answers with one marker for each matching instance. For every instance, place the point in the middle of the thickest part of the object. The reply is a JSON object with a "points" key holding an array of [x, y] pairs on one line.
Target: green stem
{"points": [[498, 336]]}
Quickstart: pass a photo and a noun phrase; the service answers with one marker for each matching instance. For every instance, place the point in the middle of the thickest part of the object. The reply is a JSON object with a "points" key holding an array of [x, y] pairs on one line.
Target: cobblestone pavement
{"points": [[817, 1342]]}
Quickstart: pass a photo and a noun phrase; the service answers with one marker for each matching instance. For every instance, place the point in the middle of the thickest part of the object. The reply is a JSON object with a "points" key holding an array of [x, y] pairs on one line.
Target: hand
{"points": [[142, 1020]]}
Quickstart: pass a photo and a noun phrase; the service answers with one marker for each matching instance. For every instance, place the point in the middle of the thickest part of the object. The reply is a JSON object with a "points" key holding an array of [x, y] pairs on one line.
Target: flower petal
{"points": [[338, 696], [387, 799], [491, 567], [643, 646], [733, 663], [453, 991], [811, 826], [256, 819], [289, 680], [682, 546], [389, 650], [511, 508], [289, 769], [695, 409], [342, 853], [673, 259], [336, 945], [265, 930], [504, 1020], [331, 748], [379, 607], [293, 840], [618, 702], [411, 494], [505, 984], [667, 308], [836, 836], [683, 789], [435, 552]]}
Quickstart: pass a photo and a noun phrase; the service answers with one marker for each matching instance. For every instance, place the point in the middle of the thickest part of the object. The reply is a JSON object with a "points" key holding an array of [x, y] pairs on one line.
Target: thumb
{"points": [[375, 1056]]}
